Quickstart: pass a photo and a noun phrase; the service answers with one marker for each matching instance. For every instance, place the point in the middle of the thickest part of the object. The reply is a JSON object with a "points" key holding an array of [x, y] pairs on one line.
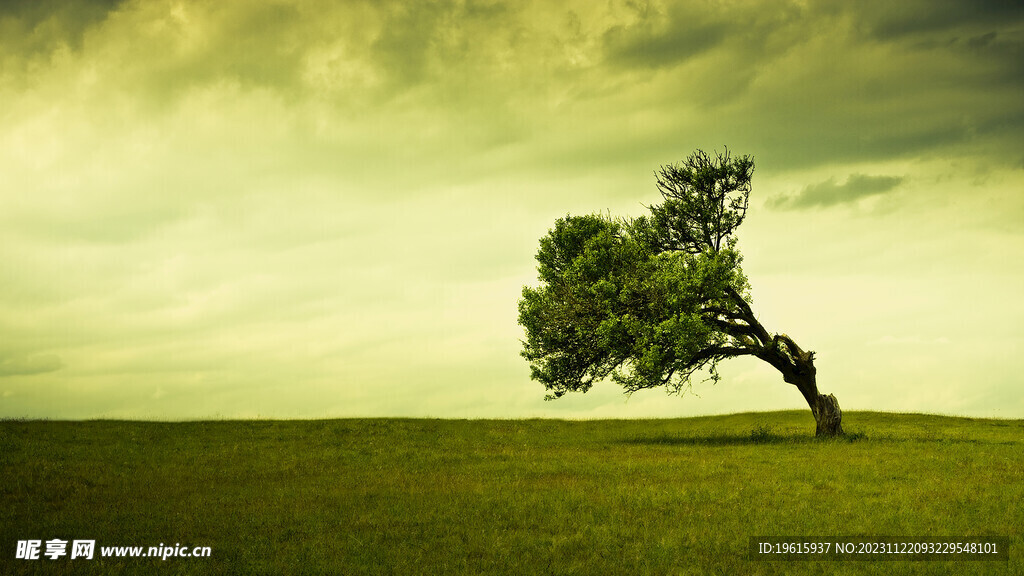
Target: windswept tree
{"points": [[655, 300]]}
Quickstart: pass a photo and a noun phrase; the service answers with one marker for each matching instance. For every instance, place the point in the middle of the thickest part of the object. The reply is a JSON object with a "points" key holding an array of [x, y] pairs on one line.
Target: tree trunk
{"points": [[802, 374], [796, 366], [828, 416]]}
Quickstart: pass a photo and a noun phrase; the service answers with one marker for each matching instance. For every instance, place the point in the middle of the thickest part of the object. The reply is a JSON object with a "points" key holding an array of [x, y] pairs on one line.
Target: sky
{"points": [[315, 209]]}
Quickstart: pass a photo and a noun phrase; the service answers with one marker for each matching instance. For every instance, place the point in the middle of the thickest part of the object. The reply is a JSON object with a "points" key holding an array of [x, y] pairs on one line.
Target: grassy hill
{"points": [[394, 496]]}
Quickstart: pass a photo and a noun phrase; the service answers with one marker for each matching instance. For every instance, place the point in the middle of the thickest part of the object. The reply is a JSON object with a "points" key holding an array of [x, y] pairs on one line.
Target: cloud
{"points": [[829, 193], [301, 203], [658, 40], [797, 84], [29, 365], [948, 17], [37, 27]]}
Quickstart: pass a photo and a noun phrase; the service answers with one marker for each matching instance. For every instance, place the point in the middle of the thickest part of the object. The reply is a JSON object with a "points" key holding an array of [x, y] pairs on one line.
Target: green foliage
{"points": [[705, 201], [639, 300]]}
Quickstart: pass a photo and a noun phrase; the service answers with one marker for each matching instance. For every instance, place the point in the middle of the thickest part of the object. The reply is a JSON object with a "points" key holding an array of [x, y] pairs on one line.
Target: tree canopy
{"points": [[652, 301]]}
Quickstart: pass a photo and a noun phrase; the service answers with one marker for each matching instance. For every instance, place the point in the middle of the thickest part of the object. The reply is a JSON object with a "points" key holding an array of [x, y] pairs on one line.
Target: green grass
{"points": [[506, 497]]}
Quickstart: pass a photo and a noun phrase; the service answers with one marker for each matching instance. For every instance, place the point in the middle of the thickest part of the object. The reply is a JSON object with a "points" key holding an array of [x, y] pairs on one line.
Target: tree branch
{"points": [[795, 350], [721, 352], [732, 328], [747, 315]]}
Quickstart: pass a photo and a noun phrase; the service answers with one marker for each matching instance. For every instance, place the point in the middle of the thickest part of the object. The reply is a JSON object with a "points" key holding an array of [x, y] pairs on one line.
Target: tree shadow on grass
{"points": [[713, 440], [759, 435], [766, 436]]}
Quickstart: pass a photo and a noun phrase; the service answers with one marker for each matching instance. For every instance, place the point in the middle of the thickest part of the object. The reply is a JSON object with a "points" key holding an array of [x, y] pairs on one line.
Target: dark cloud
{"points": [[261, 47], [28, 365], [829, 193], [657, 38], [449, 46], [34, 27], [802, 86], [796, 84], [865, 100], [646, 46], [898, 20], [987, 32], [34, 12], [405, 44], [981, 41]]}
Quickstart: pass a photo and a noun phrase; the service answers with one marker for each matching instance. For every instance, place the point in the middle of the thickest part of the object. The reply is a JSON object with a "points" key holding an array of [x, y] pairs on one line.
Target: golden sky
{"points": [[320, 209]]}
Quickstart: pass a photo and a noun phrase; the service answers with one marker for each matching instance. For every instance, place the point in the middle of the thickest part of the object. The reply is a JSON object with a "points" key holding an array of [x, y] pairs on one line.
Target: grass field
{"points": [[506, 496]]}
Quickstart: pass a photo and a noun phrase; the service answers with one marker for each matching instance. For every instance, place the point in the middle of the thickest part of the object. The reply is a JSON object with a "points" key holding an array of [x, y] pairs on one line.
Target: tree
{"points": [[653, 301]]}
